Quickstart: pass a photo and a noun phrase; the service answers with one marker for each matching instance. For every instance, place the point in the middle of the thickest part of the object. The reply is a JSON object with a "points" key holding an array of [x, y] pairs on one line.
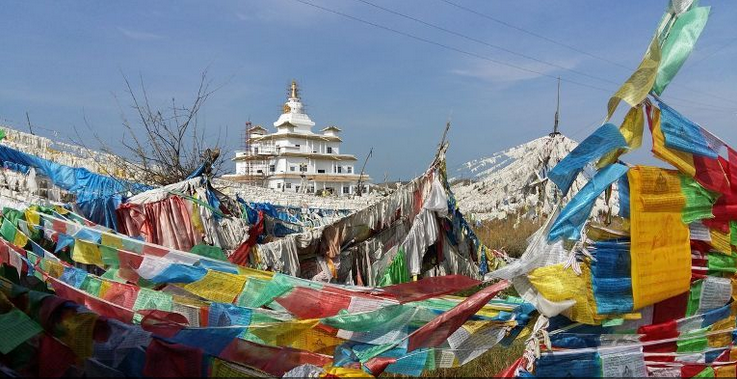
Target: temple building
{"points": [[296, 159]]}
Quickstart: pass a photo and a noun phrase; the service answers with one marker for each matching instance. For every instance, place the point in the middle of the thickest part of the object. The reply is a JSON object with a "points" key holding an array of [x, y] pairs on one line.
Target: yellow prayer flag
{"points": [[631, 128], [253, 273], [282, 333], [636, 88], [725, 339], [315, 340], [225, 369], [32, 216], [720, 241], [76, 332], [20, 239], [87, 253], [343, 372], [52, 268], [196, 218], [727, 371], [681, 160], [660, 246], [557, 284], [218, 286], [111, 240], [104, 287]]}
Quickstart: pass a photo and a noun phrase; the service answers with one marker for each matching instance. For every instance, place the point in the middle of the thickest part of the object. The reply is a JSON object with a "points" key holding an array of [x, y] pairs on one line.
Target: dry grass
{"points": [[511, 236]]}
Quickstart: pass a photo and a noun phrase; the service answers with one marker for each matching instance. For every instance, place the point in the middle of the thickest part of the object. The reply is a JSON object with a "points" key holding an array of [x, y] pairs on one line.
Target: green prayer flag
{"points": [[13, 215], [612, 322], [150, 299], [2, 133], [279, 285], [699, 200], [250, 293], [15, 328], [708, 372], [396, 272], [693, 345], [213, 252], [678, 45], [733, 233], [365, 355], [387, 317], [109, 256], [718, 262], [694, 298], [7, 230], [112, 275], [91, 285]]}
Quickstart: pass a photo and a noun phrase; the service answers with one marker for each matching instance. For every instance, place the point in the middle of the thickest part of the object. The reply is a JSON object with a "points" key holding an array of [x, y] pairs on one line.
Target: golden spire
{"points": [[294, 90]]}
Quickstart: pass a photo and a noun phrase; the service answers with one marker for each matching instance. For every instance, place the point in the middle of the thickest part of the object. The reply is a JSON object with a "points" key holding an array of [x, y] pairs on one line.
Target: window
{"points": [[296, 145], [259, 171], [289, 185], [272, 168], [292, 168], [311, 189], [278, 185], [255, 150], [330, 150], [320, 171], [349, 169], [303, 168], [296, 188], [346, 189], [340, 169]]}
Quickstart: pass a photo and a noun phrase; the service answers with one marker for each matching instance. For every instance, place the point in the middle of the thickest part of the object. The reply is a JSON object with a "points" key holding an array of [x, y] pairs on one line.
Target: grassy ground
{"points": [[511, 236]]}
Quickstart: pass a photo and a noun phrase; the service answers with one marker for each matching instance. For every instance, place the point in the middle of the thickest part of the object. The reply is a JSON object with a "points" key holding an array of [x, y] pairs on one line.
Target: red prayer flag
{"points": [[240, 256], [377, 365], [270, 359], [429, 287], [440, 328], [55, 358], [172, 360], [103, 308], [307, 303], [662, 331]]}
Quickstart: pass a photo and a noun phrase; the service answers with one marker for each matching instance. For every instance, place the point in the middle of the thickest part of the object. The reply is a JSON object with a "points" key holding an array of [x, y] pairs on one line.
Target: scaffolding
{"points": [[256, 156]]}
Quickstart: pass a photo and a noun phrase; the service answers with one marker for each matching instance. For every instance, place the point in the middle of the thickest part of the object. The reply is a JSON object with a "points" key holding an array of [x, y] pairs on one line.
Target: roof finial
{"points": [[294, 90]]}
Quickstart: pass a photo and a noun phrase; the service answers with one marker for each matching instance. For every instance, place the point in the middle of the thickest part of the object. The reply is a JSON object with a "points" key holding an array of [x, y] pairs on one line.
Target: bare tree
{"points": [[166, 143]]}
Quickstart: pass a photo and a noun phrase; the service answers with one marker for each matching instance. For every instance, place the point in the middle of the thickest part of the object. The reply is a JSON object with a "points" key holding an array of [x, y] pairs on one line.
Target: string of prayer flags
{"points": [[604, 140]]}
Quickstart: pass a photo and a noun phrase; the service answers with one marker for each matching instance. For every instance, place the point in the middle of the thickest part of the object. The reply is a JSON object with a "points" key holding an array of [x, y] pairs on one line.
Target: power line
{"points": [[428, 41], [536, 35], [434, 26], [479, 56], [713, 53], [484, 15]]}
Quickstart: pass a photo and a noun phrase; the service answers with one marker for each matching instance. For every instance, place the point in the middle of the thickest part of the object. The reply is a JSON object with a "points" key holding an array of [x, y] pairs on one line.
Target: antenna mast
{"points": [[557, 112], [359, 188]]}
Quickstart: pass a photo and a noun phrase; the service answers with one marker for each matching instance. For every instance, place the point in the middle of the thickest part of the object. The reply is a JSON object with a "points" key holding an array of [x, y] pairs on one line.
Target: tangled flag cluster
{"points": [[648, 292], [645, 292], [161, 312]]}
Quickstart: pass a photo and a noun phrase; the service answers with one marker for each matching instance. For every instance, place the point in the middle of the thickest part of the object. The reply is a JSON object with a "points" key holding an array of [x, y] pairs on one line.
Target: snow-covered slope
{"points": [[515, 180]]}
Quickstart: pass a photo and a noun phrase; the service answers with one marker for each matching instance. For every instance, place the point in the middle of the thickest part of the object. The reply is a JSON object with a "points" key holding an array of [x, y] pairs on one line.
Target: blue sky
{"points": [[63, 61]]}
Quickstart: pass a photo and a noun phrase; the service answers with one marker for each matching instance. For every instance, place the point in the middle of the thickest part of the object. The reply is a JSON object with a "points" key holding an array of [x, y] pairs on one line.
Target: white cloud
{"points": [[139, 35], [494, 72], [290, 12]]}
